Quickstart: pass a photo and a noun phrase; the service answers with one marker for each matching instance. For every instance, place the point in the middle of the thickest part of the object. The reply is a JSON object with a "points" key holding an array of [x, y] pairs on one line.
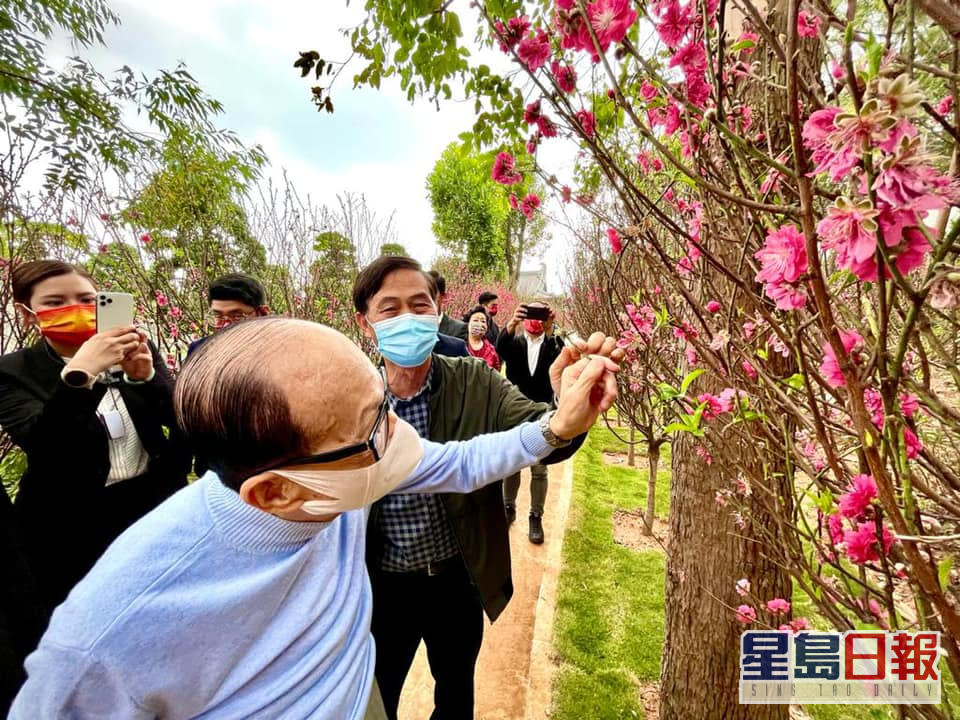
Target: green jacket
{"points": [[467, 399]]}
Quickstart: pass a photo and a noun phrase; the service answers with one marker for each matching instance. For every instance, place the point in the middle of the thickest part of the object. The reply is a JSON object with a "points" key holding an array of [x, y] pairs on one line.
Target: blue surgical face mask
{"points": [[407, 340]]}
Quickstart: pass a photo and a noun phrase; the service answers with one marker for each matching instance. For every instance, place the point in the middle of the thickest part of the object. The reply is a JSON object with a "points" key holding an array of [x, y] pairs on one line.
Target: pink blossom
{"points": [[881, 615], [513, 202], [713, 306], [530, 203], [909, 404], [783, 257], [913, 444], [850, 229], [690, 353], [534, 51], [174, 311], [611, 19], [746, 614], [685, 266], [565, 76], [705, 455], [672, 120], [720, 498], [749, 328], [531, 113], [945, 105], [565, 193], [838, 71], [643, 318], [648, 91], [836, 158], [798, 625], [698, 90], [103, 248], [778, 606], [546, 126], [874, 404], [743, 587], [808, 24], [907, 181], [861, 544], [503, 170], [161, 298], [749, 369], [830, 367], [747, 37], [717, 405], [861, 492], [835, 528], [587, 121], [674, 22], [104, 216], [146, 239], [511, 34], [692, 58], [613, 237]]}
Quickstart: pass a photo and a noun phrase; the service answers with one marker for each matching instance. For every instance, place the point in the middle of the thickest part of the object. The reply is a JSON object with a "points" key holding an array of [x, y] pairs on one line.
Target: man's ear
{"points": [[271, 493], [365, 326], [263, 310]]}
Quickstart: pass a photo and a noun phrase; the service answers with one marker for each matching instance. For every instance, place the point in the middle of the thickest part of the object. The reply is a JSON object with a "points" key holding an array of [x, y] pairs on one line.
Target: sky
{"points": [[242, 51]]}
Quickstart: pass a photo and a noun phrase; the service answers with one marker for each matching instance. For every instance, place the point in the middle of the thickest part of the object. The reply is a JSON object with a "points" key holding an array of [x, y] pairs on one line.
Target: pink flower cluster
{"points": [[513, 32], [907, 185], [908, 406], [529, 204], [610, 21], [504, 170], [717, 405], [783, 260], [534, 51], [679, 27], [852, 342], [616, 244]]}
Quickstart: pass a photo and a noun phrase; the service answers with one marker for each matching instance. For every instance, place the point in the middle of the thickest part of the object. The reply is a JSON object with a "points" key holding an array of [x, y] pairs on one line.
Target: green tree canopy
{"points": [[393, 249]]}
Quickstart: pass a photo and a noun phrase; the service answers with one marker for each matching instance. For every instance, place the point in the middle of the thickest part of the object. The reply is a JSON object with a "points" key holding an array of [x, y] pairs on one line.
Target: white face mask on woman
{"points": [[477, 329], [359, 487]]}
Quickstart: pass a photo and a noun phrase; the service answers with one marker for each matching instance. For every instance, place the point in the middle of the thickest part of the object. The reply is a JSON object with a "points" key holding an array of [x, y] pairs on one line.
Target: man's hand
{"points": [[548, 324], [519, 315], [589, 388], [598, 344]]}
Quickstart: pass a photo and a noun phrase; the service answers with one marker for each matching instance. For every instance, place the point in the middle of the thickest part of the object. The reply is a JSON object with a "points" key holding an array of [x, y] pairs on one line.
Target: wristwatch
{"points": [[76, 378], [548, 434]]}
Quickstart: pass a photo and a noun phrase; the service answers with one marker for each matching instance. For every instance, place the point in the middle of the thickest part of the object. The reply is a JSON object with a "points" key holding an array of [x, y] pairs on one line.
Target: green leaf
{"points": [[825, 501], [688, 380], [742, 45], [794, 382], [667, 391], [943, 571]]}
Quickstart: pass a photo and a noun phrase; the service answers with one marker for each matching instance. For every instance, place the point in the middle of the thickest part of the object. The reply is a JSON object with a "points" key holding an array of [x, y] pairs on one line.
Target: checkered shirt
{"points": [[415, 527]]}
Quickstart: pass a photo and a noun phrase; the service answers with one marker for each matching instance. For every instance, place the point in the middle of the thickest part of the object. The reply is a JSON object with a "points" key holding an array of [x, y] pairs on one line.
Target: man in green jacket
{"points": [[438, 562]]}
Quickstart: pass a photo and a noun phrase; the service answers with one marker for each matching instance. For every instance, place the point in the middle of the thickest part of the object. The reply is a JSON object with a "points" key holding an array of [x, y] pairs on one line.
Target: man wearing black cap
{"points": [[233, 298]]}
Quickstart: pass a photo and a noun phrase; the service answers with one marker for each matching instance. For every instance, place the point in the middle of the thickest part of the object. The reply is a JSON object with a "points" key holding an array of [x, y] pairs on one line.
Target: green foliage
{"points": [[393, 249], [12, 466], [74, 114], [469, 209]]}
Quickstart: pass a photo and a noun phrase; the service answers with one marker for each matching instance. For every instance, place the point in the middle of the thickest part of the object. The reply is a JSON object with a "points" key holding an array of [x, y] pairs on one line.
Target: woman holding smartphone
{"points": [[93, 413]]}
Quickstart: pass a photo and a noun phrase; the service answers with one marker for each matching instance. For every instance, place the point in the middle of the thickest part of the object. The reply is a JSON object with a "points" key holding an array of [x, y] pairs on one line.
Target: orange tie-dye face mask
{"points": [[70, 325]]}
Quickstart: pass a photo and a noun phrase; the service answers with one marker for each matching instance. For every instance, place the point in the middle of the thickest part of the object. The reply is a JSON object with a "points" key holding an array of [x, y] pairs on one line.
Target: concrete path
{"points": [[514, 669]]}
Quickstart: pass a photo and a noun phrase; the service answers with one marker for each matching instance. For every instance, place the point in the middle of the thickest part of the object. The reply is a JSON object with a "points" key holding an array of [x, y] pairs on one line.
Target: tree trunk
{"points": [[631, 448], [653, 461]]}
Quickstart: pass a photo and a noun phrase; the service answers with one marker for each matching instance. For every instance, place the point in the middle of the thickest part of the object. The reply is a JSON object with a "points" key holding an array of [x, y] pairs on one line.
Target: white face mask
{"points": [[357, 488], [478, 329]]}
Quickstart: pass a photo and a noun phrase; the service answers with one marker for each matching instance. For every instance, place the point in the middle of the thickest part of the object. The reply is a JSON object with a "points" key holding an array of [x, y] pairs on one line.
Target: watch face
{"points": [[77, 378]]}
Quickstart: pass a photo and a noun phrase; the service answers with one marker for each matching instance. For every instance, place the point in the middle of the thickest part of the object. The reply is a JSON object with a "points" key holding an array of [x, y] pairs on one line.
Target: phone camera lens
{"points": [[109, 300]]}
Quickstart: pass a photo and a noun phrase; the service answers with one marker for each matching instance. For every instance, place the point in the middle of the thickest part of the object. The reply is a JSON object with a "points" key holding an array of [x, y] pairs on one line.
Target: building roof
{"points": [[531, 283]]}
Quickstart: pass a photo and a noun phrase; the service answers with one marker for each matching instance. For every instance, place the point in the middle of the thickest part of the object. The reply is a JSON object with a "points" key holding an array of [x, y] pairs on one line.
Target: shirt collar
{"points": [[425, 388]]}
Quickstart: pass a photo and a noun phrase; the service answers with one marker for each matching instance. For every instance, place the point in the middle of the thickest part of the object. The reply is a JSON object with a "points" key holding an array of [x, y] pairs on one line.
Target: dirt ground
{"points": [[514, 669]]}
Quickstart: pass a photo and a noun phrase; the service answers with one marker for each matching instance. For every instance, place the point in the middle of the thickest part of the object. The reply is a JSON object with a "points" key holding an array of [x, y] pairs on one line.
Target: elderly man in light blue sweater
{"points": [[246, 594]]}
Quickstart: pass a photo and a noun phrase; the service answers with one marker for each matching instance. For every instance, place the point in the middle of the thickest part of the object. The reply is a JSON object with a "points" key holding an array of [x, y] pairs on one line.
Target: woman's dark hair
{"points": [[478, 309], [26, 276], [239, 287], [371, 278]]}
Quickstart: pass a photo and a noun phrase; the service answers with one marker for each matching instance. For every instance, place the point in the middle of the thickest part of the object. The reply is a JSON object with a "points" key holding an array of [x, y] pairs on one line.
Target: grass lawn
{"points": [[608, 634]]}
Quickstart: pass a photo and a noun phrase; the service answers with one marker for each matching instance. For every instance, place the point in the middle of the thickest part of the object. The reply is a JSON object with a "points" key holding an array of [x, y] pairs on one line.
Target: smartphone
{"points": [[537, 313], [114, 309]]}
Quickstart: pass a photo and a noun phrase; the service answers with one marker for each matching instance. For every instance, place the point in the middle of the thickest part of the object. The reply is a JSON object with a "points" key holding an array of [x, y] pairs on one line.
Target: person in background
{"points": [[490, 302], [233, 298], [448, 325], [438, 562], [529, 355], [102, 447], [478, 344], [245, 595]]}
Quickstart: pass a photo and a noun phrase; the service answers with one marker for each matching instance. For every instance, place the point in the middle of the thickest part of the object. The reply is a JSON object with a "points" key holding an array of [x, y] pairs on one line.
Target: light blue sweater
{"points": [[208, 607]]}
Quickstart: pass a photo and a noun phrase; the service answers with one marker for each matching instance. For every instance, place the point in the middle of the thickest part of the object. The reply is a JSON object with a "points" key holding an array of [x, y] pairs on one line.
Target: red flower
{"points": [[531, 113], [513, 201], [504, 171], [808, 24], [611, 19], [746, 614], [530, 203], [830, 367], [614, 239], [862, 491], [546, 127], [146, 239], [778, 606], [565, 193], [862, 545], [534, 51], [565, 76], [515, 30], [675, 21], [713, 306], [587, 121]]}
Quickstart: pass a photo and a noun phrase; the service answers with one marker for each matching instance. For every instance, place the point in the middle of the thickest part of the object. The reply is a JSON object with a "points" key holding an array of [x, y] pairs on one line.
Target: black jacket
{"points": [[512, 349], [450, 346], [67, 515], [453, 327], [493, 331]]}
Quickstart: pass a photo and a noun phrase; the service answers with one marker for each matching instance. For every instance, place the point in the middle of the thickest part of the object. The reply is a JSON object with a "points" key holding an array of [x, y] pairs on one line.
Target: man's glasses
{"points": [[376, 444], [220, 319]]}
